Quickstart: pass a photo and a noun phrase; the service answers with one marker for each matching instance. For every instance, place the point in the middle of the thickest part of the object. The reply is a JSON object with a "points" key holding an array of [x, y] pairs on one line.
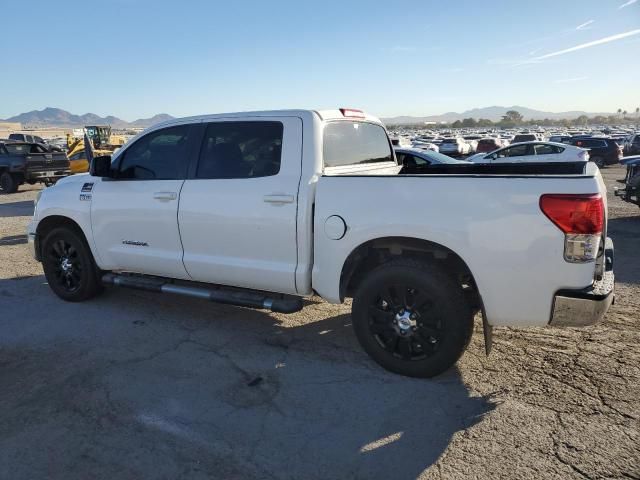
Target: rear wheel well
{"points": [[376, 252], [47, 224]]}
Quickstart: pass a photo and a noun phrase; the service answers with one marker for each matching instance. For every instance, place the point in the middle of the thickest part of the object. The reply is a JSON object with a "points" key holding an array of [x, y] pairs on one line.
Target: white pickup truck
{"points": [[261, 209]]}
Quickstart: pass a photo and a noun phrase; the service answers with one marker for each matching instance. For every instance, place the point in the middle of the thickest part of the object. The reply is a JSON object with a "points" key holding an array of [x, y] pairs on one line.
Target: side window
{"points": [[35, 148], [411, 160], [29, 138], [515, 151], [240, 150], [420, 160], [77, 156], [159, 155], [542, 149]]}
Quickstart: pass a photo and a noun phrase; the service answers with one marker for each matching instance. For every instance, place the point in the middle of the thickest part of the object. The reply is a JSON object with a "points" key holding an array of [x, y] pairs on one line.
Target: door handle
{"points": [[278, 198], [165, 195]]}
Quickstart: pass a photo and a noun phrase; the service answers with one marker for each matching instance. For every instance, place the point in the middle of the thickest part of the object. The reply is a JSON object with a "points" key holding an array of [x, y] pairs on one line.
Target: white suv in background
{"points": [[455, 146]]}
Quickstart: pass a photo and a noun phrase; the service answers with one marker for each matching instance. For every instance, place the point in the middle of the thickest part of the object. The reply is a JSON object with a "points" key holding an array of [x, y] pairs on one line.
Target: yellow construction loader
{"points": [[103, 143]]}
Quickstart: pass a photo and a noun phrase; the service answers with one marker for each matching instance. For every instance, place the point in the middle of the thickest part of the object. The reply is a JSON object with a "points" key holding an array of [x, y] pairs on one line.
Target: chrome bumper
{"points": [[579, 308]]}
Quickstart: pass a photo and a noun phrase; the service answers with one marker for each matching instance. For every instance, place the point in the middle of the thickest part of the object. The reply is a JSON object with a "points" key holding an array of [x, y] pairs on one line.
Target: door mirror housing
{"points": [[101, 167]]}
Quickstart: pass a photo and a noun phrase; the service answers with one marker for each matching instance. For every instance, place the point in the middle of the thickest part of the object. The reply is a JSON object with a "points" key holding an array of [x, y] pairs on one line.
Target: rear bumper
{"points": [[580, 308], [49, 174]]}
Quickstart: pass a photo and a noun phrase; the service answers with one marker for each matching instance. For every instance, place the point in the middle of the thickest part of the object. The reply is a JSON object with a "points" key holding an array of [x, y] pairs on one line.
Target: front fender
{"points": [[67, 199]]}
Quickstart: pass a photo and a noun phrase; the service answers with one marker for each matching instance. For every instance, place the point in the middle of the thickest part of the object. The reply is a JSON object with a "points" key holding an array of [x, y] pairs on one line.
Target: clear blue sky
{"points": [[141, 57]]}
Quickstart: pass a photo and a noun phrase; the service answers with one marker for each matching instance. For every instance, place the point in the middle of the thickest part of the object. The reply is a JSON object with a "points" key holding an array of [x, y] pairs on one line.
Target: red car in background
{"points": [[486, 145]]}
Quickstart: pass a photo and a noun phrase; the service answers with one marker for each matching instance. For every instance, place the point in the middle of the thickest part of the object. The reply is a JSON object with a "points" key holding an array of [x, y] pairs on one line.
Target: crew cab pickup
{"points": [[22, 162], [262, 209]]}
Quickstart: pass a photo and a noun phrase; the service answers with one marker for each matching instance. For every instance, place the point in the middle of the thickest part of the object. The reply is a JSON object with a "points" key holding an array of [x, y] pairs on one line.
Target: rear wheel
{"points": [[8, 183], [599, 161], [412, 318], [69, 266]]}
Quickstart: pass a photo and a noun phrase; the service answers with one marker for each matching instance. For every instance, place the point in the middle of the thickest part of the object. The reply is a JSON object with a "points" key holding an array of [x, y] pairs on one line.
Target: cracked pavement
{"points": [[139, 385]]}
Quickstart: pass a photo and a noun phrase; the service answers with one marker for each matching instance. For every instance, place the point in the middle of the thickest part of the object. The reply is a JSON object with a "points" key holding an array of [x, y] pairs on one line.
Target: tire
{"points": [[8, 183], [599, 161], [69, 266], [422, 335]]}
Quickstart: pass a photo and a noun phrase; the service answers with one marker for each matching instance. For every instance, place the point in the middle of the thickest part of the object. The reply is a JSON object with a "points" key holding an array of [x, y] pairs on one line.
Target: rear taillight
{"points": [[581, 218]]}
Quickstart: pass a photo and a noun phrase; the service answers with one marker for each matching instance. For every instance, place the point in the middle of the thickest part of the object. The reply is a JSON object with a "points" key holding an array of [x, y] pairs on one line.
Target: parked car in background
{"points": [[425, 146], [602, 151], [415, 158], [526, 137], [25, 137], [633, 145], [472, 140], [454, 147], [22, 162], [560, 138], [538, 152], [631, 191], [489, 145]]}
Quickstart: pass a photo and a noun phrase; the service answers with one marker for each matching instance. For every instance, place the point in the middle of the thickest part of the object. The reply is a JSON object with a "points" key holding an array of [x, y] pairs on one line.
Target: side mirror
{"points": [[101, 167]]}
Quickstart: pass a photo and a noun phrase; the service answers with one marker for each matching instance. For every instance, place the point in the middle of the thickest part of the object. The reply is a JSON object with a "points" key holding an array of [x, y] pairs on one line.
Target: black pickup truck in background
{"points": [[26, 138], [22, 162]]}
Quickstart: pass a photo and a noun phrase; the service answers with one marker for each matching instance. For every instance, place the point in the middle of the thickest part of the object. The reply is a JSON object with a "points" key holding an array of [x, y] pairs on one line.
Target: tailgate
{"points": [[39, 162]]}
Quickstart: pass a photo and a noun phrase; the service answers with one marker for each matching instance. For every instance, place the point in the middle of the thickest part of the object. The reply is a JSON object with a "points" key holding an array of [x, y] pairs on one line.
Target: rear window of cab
{"points": [[348, 143]]}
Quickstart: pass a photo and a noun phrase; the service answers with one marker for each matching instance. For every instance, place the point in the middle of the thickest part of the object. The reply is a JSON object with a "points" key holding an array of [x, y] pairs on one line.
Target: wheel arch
{"points": [[374, 252], [51, 222]]}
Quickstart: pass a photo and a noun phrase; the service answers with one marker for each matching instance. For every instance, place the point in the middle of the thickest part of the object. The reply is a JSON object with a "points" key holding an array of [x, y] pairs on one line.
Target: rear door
{"points": [[238, 207], [134, 217]]}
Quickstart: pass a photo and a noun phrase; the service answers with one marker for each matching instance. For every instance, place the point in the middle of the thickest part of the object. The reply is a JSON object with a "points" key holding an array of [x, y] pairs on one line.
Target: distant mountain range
{"points": [[56, 117], [491, 113]]}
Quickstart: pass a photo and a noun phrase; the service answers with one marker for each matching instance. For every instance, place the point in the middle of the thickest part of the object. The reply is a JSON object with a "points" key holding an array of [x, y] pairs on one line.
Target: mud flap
{"points": [[488, 334]]}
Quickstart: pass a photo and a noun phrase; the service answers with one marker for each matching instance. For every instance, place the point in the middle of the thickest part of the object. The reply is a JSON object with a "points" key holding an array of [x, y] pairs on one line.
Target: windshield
{"points": [[355, 143]]}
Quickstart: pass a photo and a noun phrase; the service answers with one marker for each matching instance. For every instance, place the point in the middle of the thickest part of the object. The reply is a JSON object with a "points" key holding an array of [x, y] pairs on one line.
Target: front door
{"points": [[134, 216], [238, 207]]}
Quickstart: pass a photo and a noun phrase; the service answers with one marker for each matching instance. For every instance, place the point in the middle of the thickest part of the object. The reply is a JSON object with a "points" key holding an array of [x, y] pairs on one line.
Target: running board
{"points": [[240, 298]]}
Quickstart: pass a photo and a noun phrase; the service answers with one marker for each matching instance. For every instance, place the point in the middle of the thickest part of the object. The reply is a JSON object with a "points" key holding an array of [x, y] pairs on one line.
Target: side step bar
{"points": [[240, 298]]}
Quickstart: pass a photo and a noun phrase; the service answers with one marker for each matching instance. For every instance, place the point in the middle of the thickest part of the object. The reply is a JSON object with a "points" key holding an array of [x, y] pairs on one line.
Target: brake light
{"points": [[352, 113], [581, 219]]}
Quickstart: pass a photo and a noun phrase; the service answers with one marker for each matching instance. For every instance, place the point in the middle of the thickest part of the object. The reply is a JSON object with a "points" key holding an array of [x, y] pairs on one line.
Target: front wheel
{"points": [[412, 318], [8, 183], [69, 266]]}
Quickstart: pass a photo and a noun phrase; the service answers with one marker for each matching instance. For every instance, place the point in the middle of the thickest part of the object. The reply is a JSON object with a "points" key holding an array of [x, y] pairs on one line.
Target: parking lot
{"points": [[140, 385]]}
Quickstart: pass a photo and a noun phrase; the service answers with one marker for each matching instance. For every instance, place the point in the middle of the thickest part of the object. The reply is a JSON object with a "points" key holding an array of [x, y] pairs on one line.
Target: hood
{"points": [[77, 178]]}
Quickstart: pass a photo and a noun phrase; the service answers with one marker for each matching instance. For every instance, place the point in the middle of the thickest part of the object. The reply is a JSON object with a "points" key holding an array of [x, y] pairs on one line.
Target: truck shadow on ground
{"points": [[159, 385], [16, 209], [625, 232]]}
